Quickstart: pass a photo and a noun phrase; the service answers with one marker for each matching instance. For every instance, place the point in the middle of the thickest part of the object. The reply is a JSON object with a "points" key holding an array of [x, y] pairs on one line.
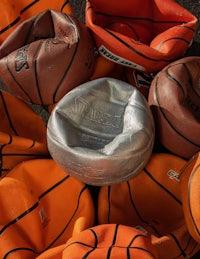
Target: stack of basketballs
{"points": [[114, 171]]}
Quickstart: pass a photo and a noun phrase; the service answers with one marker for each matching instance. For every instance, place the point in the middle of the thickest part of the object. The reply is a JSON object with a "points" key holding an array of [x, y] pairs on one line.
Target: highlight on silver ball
{"points": [[101, 132]]}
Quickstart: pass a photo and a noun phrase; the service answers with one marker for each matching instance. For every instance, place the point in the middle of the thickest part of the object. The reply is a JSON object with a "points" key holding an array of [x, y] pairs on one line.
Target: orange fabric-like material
{"points": [[14, 13], [152, 200], [190, 192], [145, 36], [106, 241], [41, 207], [22, 133]]}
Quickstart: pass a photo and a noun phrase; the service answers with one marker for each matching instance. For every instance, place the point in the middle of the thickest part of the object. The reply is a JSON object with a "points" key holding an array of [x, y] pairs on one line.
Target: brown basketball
{"points": [[174, 98], [46, 56]]}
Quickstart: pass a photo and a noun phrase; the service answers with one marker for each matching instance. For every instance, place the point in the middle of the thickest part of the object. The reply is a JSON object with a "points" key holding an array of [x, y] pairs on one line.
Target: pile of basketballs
{"points": [[99, 131]]}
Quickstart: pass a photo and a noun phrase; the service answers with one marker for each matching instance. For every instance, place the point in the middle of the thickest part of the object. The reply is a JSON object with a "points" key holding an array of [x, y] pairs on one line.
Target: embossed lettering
{"points": [[21, 59]]}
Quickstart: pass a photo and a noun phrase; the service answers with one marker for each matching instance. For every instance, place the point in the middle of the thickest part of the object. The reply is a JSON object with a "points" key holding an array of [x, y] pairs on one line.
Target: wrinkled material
{"points": [[174, 98], [101, 132], [46, 56], [145, 37], [41, 207], [14, 13]]}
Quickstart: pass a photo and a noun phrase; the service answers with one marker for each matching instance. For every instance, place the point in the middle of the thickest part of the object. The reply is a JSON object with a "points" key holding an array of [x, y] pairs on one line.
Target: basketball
{"points": [[101, 132], [41, 207], [174, 98], [146, 39], [152, 200], [110, 241], [46, 56], [190, 192]]}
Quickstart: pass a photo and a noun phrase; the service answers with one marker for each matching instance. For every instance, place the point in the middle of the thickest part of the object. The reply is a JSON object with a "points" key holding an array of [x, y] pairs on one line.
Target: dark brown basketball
{"points": [[174, 98], [46, 56]]}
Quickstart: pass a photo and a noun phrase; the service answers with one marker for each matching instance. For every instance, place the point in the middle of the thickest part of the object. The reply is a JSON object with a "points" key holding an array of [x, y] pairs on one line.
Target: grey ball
{"points": [[101, 132]]}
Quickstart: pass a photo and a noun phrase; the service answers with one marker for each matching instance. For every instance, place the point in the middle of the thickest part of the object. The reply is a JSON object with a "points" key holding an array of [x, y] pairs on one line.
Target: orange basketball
{"points": [[41, 207], [174, 98], [46, 56], [22, 133], [190, 193], [106, 241], [143, 38], [14, 13], [152, 200]]}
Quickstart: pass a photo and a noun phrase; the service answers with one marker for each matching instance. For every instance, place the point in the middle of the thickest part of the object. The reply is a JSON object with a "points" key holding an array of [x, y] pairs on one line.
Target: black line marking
{"points": [[95, 244], [179, 245], [162, 187], [135, 50], [14, 79], [35, 70], [14, 22], [72, 59], [191, 79], [142, 249], [138, 214], [177, 39], [192, 175], [64, 4], [18, 249], [8, 115], [113, 242], [139, 18], [165, 117], [33, 207]]}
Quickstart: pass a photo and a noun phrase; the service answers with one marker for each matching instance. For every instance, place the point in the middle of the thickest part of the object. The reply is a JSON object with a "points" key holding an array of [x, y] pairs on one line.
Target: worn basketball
{"points": [[101, 132], [14, 13], [142, 38], [152, 200], [46, 56], [41, 207], [190, 192], [22, 133], [174, 98]]}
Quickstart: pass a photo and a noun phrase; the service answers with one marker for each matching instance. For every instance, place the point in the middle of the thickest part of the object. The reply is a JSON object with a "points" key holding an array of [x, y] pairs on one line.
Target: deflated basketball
{"points": [[174, 98], [46, 56], [190, 192], [152, 200]]}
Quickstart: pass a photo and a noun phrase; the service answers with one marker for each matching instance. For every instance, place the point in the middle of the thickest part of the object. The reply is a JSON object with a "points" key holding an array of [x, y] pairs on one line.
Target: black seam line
{"points": [[134, 50], [138, 214], [142, 249], [18, 18], [29, 31], [18, 249], [165, 117], [187, 27], [190, 79], [64, 4], [39, 252], [14, 79], [35, 71], [189, 196], [178, 39], [140, 18], [135, 237], [95, 244], [8, 115], [113, 242], [33, 207], [174, 79], [72, 58], [78, 243], [162, 187], [179, 245]]}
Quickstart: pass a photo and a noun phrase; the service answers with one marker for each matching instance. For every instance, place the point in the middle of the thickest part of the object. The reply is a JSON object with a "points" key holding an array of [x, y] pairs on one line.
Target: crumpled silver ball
{"points": [[101, 132]]}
